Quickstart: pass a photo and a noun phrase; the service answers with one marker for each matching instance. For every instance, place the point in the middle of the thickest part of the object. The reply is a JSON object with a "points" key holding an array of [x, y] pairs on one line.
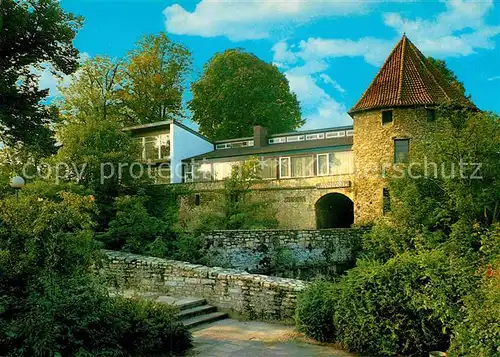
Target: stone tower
{"points": [[394, 112]]}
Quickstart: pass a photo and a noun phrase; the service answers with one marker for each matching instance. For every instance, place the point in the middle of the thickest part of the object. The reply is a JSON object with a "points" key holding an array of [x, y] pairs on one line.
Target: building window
{"points": [[268, 168], [284, 167], [223, 170], [188, 172], [302, 166], [162, 175], [386, 117], [401, 150], [155, 147], [340, 163], [431, 114], [203, 172], [386, 201], [322, 164]]}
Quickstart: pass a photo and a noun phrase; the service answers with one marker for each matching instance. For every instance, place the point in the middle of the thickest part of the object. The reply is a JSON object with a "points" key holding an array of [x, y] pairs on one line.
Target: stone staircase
{"points": [[192, 311]]}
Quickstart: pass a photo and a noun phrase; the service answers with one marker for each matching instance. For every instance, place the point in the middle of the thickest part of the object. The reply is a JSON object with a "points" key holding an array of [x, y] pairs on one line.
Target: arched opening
{"points": [[334, 210]]}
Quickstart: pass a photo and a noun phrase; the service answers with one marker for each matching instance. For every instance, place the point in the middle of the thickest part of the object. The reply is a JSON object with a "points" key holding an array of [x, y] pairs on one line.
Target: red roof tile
{"points": [[407, 78]]}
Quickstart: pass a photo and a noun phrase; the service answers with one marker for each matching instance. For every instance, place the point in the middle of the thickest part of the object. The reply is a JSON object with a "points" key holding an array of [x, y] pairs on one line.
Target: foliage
{"points": [[59, 317], [429, 210], [315, 310], [144, 88], [50, 305], [135, 230], [406, 306], [94, 92], [105, 155], [478, 334], [237, 91], [417, 287], [75, 317], [150, 329], [37, 234], [235, 208], [448, 74], [32, 33], [154, 80]]}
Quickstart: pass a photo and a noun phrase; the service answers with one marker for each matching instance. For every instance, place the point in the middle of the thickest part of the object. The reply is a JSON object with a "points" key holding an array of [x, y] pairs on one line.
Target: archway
{"points": [[334, 210]]}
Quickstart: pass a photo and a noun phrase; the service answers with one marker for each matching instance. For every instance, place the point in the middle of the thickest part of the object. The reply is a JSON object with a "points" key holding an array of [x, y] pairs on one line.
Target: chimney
{"points": [[259, 136]]}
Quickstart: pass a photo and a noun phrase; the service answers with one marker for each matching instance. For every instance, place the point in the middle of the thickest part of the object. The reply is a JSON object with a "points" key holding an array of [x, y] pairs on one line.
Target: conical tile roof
{"points": [[407, 78]]}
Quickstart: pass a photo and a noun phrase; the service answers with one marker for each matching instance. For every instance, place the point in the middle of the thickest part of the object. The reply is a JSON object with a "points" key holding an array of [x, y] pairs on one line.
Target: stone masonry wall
{"points": [[314, 252], [252, 296], [373, 148], [295, 199]]}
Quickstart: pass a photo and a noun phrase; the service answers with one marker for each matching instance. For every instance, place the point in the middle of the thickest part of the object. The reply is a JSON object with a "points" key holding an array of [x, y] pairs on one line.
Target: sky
{"points": [[329, 50]]}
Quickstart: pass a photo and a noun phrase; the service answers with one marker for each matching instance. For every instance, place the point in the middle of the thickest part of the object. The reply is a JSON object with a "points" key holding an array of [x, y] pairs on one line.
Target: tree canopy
{"points": [[154, 79], [238, 90], [145, 87], [32, 33]]}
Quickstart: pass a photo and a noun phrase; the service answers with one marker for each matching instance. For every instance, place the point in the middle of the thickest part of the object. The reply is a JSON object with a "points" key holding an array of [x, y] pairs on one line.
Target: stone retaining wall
{"points": [[252, 296], [311, 252]]}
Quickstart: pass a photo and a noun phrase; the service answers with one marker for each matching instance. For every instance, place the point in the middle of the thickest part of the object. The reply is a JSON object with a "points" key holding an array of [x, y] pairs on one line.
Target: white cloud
{"points": [[328, 80], [320, 109], [372, 49], [252, 19], [282, 54], [458, 31]]}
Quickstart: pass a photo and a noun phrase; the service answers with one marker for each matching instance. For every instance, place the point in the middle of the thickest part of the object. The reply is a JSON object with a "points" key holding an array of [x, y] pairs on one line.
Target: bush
{"points": [[75, 317], [59, 317], [406, 306], [135, 230], [50, 304], [315, 311], [478, 335], [150, 329]]}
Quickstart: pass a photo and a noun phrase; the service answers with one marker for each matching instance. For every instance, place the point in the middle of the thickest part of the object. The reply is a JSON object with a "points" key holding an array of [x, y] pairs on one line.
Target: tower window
{"points": [[386, 199], [431, 114], [401, 149], [386, 116]]}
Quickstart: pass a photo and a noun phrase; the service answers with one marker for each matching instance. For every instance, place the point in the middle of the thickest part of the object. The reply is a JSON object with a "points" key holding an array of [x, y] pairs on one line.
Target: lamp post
{"points": [[17, 183]]}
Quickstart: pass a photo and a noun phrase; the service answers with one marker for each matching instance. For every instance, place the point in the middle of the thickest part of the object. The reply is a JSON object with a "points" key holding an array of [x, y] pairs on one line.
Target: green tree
{"points": [[94, 91], [154, 80], [448, 74], [32, 33], [94, 151], [238, 90]]}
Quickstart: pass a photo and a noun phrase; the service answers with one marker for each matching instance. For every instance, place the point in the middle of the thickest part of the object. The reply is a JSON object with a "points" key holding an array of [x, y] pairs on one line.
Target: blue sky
{"points": [[329, 50]]}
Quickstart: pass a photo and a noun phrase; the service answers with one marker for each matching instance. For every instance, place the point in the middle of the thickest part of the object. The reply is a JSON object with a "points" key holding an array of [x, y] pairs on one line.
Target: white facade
{"points": [[184, 144]]}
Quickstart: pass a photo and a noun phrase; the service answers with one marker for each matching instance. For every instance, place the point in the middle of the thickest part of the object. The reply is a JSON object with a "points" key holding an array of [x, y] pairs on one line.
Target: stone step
{"points": [[182, 303], [196, 311], [204, 319]]}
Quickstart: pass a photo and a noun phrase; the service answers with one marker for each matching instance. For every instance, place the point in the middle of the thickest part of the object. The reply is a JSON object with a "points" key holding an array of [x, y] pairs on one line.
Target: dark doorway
{"points": [[334, 210]]}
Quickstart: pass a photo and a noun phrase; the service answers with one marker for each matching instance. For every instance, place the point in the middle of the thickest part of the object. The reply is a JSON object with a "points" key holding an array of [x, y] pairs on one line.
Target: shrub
{"points": [[50, 305], [76, 317], [478, 335], [406, 306], [59, 317], [135, 230], [150, 329], [315, 311]]}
